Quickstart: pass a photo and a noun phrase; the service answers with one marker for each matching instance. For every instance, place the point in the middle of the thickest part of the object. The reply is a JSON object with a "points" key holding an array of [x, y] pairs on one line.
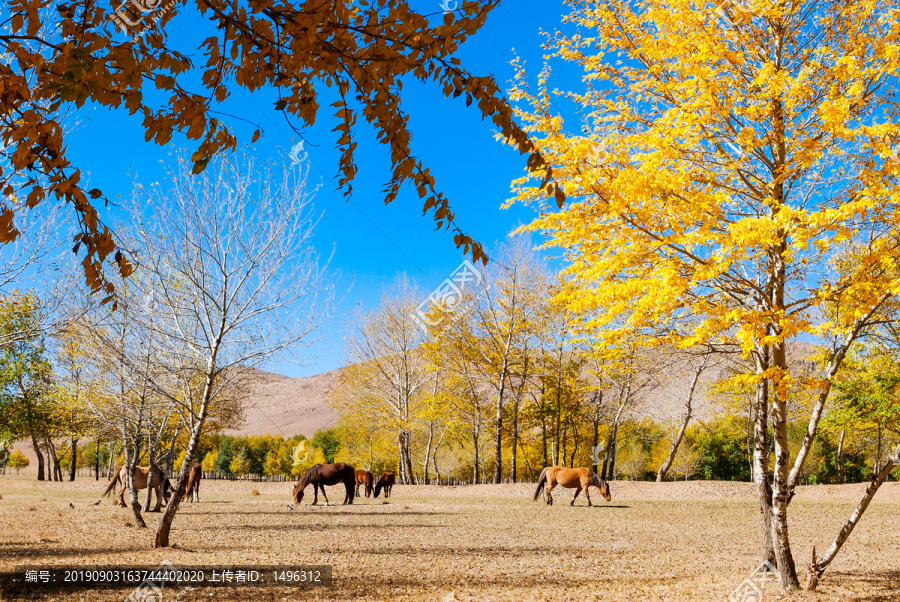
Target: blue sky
{"points": [[373, 242]]}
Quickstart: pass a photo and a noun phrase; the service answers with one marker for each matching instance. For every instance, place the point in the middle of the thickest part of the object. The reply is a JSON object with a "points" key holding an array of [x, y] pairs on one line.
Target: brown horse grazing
{"points": [[140, 482], [572, 478], [386, 482], [364, 477], [326, 474], [193, 485]]}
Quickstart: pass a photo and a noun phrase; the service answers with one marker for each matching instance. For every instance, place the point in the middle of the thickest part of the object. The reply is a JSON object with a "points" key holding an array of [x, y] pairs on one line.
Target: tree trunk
{"points": [[74, 459], [760, 468], [475, 434], [98, 444], [664, 468], [498, 441], [152, 477], [609, 456], [515, 442], [39, 454], [437, 471], [544, 440], [170, 457], [131, 455], [515, 434], [782, 490], [878, 445], [113, 456], [52, 462], [840, 458], [661, 475], [574, 448], [558, 424], [428, 453], [407, 458], [817, 567], [614, 442], [165, 521]]}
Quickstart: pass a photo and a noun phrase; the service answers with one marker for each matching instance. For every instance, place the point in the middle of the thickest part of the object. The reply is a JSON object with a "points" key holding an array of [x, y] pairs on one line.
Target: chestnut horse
{"points": [[364, 477], [571, 478], [193, 485], [326, 474], [140, 482], [386, 482]]}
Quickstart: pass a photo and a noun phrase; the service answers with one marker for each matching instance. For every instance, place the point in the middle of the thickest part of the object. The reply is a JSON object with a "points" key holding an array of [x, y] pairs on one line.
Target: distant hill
{"points": [[284, 406]]}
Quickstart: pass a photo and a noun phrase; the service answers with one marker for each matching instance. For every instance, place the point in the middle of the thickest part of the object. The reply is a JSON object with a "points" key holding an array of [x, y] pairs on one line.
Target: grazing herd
{"points": [[580, 479]]}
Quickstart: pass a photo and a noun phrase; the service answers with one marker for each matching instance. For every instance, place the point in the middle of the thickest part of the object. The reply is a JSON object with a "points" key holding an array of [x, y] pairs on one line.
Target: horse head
{"points": [[298, 493], [603, 486], [378, 487], [604, 490]]}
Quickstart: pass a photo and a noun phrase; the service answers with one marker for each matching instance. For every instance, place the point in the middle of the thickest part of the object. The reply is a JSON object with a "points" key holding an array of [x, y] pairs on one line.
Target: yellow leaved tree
{"points": [[727, 162]]}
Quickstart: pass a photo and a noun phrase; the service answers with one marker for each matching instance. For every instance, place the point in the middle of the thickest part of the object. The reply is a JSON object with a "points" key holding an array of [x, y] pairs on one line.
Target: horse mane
{"points": [[308, 476], [597, 480]]}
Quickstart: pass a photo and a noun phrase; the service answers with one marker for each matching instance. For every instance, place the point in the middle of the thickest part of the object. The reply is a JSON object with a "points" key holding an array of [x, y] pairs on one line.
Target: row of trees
{"points": [[501, 384], [719, 449], [226, 277]]}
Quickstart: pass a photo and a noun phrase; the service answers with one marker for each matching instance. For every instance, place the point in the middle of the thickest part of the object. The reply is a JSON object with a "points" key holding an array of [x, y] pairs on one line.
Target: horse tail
{"points": [[541, 482], [112, 482]]}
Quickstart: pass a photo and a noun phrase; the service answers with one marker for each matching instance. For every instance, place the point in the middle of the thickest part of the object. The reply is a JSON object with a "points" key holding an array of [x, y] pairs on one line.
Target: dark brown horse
{"points": [[364, 477], [193, 485], [386, 482], [572, 478], [326, 474]]}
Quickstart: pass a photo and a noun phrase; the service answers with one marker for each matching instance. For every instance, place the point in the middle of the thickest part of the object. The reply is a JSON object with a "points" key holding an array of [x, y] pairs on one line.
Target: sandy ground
{"points": [[672, 541]]}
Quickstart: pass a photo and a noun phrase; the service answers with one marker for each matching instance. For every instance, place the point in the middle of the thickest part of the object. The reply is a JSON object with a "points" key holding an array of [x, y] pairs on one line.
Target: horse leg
{"points": [[158, 490], [315, 494], [577, 491], [551, 484], [197, 491], [587, 494], [323, 493]]}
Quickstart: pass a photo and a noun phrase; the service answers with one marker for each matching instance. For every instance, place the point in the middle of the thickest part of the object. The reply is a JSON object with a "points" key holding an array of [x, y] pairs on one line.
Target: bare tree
{"points": [[231, 279], [386, 372], [504, 309], [699, 366]]}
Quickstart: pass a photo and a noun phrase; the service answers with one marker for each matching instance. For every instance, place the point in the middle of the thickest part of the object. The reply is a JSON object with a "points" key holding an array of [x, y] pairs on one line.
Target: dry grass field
{"points": [[674, 541]]}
